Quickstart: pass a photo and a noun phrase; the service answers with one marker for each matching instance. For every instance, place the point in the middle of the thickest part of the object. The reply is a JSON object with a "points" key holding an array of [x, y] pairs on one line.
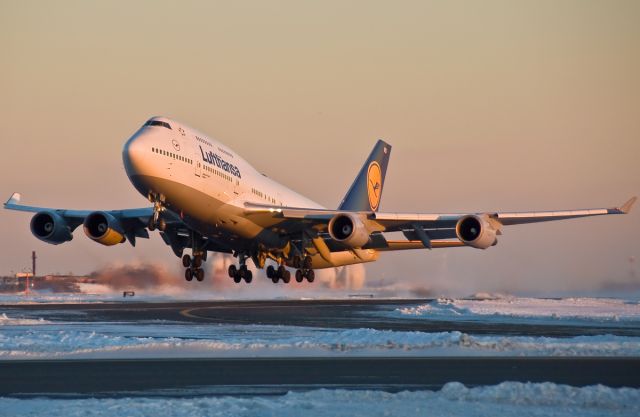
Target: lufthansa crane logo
{"points": [[176, 144], [374, 185]]}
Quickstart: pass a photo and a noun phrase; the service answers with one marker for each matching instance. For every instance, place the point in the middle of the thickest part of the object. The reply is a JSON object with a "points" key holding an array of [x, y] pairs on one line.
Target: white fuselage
{"points": [[207, 184]]}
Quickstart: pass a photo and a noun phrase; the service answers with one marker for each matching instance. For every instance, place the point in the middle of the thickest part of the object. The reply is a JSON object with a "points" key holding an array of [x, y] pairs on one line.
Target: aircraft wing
{"points": [[421, 228], [134, 221]]}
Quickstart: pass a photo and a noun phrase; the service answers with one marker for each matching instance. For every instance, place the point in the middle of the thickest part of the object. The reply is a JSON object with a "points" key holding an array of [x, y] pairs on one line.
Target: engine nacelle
{"points": [[477, 231], [104, 228], [349, 229], [50, 227]]}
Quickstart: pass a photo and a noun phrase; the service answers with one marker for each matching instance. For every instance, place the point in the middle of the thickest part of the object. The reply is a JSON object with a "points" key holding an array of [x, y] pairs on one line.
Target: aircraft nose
{"points": [[134, 155]]}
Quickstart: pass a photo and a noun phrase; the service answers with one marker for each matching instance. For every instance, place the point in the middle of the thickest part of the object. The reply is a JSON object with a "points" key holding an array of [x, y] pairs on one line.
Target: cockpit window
{"points": [[158, 123]]}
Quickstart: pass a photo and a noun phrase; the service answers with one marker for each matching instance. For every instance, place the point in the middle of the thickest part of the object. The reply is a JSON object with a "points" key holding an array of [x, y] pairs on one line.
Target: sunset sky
{"points": [[493, 105]]}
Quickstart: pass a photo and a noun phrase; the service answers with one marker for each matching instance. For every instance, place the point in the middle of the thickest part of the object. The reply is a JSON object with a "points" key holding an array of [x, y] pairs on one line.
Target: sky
{"points": [[495, 105]]}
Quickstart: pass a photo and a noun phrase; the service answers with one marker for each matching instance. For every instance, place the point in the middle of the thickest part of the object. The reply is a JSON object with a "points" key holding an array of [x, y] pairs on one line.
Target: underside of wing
{"points": [[108, 227], [420, 230]]}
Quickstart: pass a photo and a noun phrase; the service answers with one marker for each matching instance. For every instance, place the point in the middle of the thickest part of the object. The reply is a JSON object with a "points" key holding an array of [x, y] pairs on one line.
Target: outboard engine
{"points": [[477, 231], [50, 227]]}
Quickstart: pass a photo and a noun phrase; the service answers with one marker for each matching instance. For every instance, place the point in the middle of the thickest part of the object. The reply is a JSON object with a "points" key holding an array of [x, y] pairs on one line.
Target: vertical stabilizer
{"points": [[366, 191]]}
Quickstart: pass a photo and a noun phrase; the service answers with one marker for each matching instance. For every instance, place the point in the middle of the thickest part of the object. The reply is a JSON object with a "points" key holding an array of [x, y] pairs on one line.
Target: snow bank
{"points": [[93, 340], [454, 399], [602, 309]]}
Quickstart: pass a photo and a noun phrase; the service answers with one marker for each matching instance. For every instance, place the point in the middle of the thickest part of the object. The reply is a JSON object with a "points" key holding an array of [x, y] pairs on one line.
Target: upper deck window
{"points": [[158, 123]]}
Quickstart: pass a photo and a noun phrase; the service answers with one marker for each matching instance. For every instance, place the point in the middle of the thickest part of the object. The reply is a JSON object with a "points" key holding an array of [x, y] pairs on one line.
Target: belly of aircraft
{"points": [[204, 213]]}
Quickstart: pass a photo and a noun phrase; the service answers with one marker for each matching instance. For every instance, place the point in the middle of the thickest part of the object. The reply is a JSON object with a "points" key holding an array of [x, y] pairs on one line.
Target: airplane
{"points": [[207, 198]]}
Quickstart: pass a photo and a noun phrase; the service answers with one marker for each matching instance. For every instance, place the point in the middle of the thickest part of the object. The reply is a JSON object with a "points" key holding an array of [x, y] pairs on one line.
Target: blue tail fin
{"points": [[366, 191]]}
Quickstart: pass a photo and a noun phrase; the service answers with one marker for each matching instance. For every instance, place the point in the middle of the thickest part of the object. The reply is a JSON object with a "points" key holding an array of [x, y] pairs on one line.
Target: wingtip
{"points": [[626, 207], [14, 199]]}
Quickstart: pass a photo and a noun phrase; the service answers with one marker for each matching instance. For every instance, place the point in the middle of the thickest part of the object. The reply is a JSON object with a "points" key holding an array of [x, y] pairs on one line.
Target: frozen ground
{"points": [[25, 335], [454, 399], [32, 338], [537, 310]]}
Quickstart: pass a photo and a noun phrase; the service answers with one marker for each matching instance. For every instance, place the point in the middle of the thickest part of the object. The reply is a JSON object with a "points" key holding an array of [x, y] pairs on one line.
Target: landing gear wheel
{"points": [[233, 271], [243, 271], [281, 271], [271, 271], [186, 261], [286, 277], [199, 273], [237, 278], [162, 225], [188, 274], [307, 262], [248, 277], [151, 225], [197, 261], [299, 276], [297, 262], [311, 276], [275, 279]]}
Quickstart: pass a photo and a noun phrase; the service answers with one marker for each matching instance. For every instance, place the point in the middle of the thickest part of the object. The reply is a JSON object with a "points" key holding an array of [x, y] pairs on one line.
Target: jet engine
{"points": [[50, 227], [477, 231], [103, 228], [349, 229]]}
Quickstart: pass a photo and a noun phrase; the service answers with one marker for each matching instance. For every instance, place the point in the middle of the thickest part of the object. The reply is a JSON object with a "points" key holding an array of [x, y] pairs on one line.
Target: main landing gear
{"points": [[241, 273], [193, 267], [303, 270], [280, 273]]}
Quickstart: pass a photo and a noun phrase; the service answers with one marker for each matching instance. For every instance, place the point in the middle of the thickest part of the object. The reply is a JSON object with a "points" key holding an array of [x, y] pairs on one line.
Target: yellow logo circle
{"points": [[374, 185]]}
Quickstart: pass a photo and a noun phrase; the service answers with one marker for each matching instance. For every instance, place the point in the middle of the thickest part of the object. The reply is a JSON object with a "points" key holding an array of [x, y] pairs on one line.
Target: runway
{"points": [[279, 375], [192, 348], [350, 313]]}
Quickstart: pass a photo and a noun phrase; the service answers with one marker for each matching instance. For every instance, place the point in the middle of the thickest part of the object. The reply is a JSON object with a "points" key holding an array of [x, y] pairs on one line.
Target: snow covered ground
{"points": [[32, 338], [508, 308], [454, 399], [26, 335]]}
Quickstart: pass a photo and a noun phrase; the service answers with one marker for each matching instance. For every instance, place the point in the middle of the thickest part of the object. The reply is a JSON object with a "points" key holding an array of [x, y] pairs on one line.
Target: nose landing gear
{"points": [[156, 221]]}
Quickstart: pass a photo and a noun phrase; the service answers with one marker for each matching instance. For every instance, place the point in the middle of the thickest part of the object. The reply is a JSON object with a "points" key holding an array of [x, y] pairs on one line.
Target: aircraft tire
{"points": [[186, 261], [306, 264], [299, 276], [237, 278], [197, 261], [199, 274], [286, 277], [271, 271], [281, 271], [311, 276], [233, 271], [188, 274], [248, 277]]}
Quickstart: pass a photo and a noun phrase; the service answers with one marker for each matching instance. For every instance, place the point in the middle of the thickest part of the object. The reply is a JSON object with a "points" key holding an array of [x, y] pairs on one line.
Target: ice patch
{"points": [[602, 309], [454, 399], [8, 321]]}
